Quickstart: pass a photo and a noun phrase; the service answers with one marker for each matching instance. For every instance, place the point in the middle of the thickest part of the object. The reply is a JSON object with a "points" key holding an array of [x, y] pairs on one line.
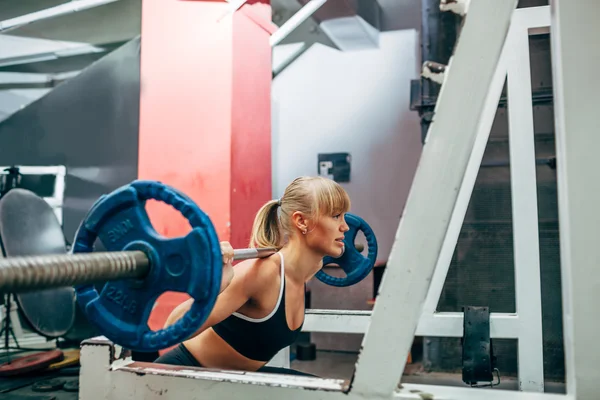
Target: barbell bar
{"points": [[31, 273]]}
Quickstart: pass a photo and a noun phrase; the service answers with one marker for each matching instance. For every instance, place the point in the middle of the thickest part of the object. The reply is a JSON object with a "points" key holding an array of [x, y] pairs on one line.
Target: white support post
{"points": [[575, 57], [523, 181], [433, 197]]}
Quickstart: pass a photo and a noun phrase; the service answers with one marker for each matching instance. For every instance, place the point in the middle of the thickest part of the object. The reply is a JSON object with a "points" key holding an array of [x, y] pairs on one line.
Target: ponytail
{"points": [[265, 230], [312, 196]]}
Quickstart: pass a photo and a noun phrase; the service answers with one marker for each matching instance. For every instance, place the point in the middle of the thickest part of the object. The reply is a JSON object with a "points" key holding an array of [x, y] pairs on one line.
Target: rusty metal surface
{"points": [[255, 378]]}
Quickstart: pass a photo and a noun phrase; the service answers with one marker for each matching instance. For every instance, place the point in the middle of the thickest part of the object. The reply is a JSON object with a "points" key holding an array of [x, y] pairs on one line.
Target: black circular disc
{"points": [[71, 386], [48, 385], [28, 227]]}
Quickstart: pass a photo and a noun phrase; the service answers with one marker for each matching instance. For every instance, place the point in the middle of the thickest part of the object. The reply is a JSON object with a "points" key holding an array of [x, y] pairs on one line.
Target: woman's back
{"points": [[269, 321]]}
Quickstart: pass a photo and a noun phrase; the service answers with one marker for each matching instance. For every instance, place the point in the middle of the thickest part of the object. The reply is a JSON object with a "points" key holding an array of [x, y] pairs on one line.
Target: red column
{"points": [[205, 115], [251, 117]]}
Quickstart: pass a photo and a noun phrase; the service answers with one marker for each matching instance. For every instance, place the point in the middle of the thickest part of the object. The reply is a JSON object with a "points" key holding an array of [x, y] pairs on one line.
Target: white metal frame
{"points": [[526, 324], [459, 118], [60, 171]]}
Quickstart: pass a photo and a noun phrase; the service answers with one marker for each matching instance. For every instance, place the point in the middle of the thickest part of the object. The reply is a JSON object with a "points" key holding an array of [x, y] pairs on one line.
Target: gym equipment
{"points": [[140, 265], [478, 360], [306, 351], [30, 363], [10, 180], [70, 358], [48, 385], [71, 386], [355, 265], [49, 312]]}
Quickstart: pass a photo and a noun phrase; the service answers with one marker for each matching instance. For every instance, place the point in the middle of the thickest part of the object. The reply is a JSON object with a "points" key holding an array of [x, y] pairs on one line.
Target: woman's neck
{"points": [[301, 263]]}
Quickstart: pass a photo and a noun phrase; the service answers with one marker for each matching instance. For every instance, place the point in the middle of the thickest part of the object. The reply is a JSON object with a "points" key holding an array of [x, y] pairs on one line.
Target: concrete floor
{"points": [[341, 366]]}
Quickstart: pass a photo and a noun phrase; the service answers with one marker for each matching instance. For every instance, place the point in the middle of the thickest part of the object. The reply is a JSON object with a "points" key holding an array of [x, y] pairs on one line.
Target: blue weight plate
{"points": [[355, 265], [190, 264]]}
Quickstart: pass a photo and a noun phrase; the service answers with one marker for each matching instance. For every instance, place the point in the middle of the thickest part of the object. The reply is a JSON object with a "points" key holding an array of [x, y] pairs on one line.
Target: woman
{"points": [[261, 310]]}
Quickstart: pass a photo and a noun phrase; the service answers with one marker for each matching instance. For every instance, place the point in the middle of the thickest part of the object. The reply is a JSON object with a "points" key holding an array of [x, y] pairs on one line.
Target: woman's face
{"points": [[327, 235]]}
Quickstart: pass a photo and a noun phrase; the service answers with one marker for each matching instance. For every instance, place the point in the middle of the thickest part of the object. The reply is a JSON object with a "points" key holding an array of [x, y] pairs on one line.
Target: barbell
{"points": [[139, 265]]}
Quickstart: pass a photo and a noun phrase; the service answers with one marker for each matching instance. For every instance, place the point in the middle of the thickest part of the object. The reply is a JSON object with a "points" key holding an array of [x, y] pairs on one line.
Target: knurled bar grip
{"points": [[244, 254], [31, 273], [24, 274]]}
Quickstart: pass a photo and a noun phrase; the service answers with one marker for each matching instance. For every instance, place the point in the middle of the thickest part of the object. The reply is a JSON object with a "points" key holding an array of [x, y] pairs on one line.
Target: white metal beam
{"points": [[575, 57], [47, 55], [285, 55], [336, 321], [66, 8], [523, 182], [432, 198], [447, 324], [295, 21], [19, 80]]}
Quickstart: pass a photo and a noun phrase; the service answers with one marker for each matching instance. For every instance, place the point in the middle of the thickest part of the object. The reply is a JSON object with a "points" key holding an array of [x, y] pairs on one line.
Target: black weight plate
{"points": [[48, 385], [71, 386], [28, 226]]}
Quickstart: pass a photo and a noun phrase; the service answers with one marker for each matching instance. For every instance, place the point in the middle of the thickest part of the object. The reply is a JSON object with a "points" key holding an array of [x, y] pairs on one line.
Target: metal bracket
{"points": [[478, 358]]}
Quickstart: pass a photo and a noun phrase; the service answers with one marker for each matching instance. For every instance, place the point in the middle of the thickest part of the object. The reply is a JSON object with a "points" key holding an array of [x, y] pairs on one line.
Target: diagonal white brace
{"points": [[433, 197], [295, 21]]}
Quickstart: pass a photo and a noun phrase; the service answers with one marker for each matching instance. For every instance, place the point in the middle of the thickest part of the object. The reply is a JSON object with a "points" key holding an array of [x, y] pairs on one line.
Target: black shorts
{"points": [[180, 355]]}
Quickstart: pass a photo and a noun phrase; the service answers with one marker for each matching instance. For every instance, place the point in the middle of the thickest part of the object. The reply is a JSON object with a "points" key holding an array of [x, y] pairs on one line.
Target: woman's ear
{"points": [[300, 221]]}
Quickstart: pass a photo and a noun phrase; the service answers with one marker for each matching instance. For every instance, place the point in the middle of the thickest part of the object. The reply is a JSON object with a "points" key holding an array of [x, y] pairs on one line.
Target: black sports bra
{"points": [[259, 338]]}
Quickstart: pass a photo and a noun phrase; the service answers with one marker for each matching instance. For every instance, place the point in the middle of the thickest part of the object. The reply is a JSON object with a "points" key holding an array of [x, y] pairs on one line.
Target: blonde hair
{"points": [[313, 196]]}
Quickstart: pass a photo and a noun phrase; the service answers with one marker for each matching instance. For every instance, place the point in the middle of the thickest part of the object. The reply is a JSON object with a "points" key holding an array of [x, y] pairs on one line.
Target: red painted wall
{"points": [[185, 107], [205, 116], [250, 118]]}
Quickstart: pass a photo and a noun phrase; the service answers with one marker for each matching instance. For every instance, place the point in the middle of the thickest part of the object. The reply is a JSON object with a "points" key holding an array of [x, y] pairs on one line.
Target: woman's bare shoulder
{"points": [[260, 271]]}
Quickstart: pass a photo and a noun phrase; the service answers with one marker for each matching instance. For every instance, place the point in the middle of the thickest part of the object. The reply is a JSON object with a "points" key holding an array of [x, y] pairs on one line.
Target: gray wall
{"points": [[90, 124], [355, 102]]}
